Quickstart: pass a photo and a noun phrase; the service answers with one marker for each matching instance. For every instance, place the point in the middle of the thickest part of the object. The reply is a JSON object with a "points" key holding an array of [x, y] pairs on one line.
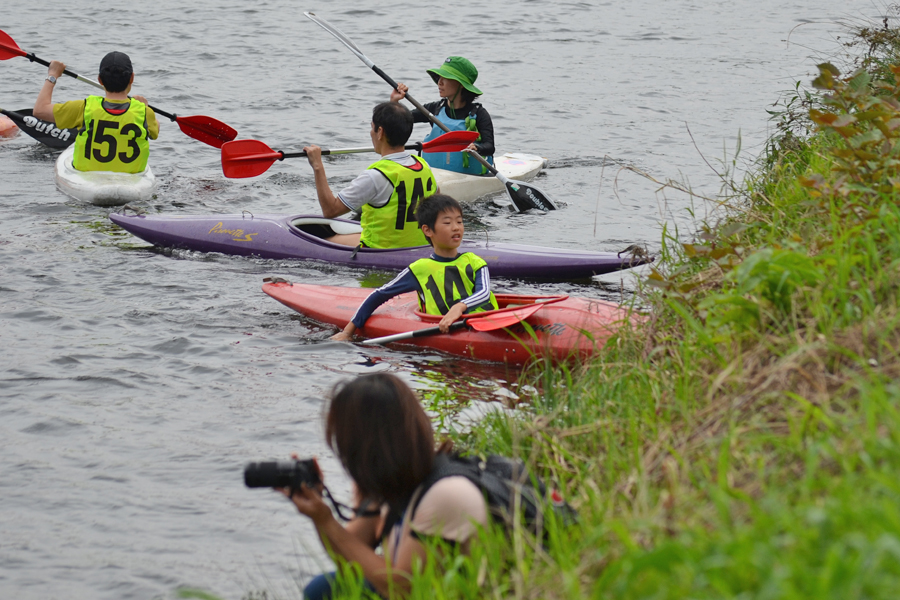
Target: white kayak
{"points": [[103, 188], [466, 188]]}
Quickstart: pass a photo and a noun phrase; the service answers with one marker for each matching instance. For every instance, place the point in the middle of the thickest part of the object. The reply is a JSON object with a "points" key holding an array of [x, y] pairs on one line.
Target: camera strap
{"points": [[338, 505]]}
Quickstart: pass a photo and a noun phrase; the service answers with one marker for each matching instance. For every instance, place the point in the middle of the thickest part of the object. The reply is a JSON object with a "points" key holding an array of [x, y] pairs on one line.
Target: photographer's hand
{"points": [[309, 502]]}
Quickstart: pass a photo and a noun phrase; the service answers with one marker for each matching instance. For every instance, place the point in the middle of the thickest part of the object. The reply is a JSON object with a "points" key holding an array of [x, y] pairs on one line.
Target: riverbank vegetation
{"points": [[743, 442]]}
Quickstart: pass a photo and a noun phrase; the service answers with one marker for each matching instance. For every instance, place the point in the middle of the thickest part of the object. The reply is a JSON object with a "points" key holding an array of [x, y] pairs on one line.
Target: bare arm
{"points": [[331, 205], [346, 543], [43, 106]]}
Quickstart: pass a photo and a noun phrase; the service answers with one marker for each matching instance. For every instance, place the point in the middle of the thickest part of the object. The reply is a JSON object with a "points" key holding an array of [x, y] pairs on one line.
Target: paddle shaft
{"points": [[414, 334], [416, 146], [30, 56], [248, 158], [485, 322], [279, 155]]}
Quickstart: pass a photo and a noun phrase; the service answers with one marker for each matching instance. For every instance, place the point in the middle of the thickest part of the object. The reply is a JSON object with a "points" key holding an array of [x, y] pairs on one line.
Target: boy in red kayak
{"points": [[448, 283], [114, 129]]}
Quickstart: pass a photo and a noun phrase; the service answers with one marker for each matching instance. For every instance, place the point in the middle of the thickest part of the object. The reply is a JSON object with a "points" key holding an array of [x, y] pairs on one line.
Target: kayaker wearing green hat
{"points": [[457, 110]]}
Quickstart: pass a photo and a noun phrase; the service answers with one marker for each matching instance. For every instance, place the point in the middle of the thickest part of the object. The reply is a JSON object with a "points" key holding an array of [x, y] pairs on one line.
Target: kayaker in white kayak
{"points": [[387, 193], [114, 129], [385, 442], [457, 110], [448, 283]]}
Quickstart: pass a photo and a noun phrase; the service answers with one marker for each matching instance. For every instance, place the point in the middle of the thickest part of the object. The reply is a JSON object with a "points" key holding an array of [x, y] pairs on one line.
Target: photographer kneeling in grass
{"points": [[383, 438]]}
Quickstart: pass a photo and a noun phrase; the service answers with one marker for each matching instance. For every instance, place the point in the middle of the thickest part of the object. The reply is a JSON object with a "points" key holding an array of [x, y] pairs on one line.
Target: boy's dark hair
{"points": [[382, 436], [428, 210], [116, 72], [395, 119]]}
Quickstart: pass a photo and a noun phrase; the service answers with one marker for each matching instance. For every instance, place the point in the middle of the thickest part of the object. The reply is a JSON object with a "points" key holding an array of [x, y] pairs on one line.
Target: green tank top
{"points": [[111, 142], [394, 225], [443, 284]]}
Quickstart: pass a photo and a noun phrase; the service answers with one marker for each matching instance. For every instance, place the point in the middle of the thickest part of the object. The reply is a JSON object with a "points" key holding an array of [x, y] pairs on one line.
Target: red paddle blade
{"points": [[207, 130], [491, 322], [454, 141], [247, 158], [9, 48]]}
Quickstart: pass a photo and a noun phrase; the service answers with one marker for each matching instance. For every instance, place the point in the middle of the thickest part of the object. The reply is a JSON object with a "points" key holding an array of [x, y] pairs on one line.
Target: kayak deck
{"points": [[103, 188], [467, 188], [573, 327]]}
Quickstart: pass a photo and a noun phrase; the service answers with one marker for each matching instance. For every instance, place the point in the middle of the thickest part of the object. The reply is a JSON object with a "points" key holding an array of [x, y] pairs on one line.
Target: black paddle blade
{"points": [[44, 132], [526, 196]]}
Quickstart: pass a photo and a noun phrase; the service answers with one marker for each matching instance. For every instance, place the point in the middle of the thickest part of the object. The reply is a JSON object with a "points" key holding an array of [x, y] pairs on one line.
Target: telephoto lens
{"points": [[284, 474]]}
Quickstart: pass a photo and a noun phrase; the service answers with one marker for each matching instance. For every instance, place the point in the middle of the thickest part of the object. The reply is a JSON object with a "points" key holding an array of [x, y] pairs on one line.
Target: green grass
{"points": [[745, 441]]}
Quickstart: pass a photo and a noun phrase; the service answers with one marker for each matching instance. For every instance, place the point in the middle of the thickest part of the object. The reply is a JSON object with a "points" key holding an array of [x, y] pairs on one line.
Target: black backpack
{"points": [[505, 482]]}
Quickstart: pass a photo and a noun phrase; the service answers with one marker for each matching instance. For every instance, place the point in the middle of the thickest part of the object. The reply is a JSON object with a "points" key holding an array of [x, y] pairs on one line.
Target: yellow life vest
{"points": [[394, 225], [112, 142], [443, 284]]}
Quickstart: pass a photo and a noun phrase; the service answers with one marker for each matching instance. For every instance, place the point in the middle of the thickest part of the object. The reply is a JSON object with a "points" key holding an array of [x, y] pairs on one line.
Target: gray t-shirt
{"points": [[371, 186]]}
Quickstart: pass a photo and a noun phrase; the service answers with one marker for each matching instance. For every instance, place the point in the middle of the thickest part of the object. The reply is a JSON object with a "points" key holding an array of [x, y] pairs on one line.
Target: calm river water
{"points": [[136, 383]]}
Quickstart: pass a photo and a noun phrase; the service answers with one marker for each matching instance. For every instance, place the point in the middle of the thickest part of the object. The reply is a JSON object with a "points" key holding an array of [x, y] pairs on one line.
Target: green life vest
{"points": [[443, 284], [394, 225], [112, 142]]}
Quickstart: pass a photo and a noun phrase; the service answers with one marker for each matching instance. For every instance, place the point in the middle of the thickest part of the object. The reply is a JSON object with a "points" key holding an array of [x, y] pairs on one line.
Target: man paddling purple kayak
{"points": [[387, 193]]}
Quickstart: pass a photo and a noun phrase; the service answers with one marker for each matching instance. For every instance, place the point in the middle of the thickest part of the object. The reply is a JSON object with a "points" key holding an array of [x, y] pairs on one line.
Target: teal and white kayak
{"points": [[103, 188], [466, 188]]}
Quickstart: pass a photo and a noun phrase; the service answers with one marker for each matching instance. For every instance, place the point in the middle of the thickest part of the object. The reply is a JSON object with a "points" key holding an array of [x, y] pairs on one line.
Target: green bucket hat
{"points": [[458, 69]]}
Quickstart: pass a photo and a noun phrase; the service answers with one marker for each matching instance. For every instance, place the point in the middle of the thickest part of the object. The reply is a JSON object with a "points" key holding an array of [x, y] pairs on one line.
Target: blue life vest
{"points": [[453, 161]]}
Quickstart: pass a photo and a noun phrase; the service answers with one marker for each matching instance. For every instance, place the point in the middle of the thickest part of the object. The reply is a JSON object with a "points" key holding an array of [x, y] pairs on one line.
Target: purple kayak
{"points": [[301, 237]]}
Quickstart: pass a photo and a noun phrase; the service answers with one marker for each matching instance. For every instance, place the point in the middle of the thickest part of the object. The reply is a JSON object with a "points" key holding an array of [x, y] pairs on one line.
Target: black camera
{"points": [[286, 474]]}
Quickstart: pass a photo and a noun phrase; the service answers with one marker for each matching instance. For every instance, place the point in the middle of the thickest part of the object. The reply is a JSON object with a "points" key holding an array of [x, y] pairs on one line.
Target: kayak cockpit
{"points": [[319, 229], [323, 228]]}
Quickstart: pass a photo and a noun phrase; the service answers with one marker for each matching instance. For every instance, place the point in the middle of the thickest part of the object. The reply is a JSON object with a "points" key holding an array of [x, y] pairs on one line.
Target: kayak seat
{"points": [[323, 228]]}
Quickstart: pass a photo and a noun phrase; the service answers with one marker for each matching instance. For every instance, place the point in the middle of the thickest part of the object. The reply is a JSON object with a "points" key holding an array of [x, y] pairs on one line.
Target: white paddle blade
{"points": [[340, 35]]}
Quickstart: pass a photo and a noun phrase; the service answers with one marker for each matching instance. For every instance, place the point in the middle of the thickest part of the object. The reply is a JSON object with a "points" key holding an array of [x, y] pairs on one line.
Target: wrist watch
{"points": [[52, 79]]}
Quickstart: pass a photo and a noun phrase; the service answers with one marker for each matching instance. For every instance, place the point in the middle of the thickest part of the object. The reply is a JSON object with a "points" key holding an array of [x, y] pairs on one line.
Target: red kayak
{"points": [[562, 327]]}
